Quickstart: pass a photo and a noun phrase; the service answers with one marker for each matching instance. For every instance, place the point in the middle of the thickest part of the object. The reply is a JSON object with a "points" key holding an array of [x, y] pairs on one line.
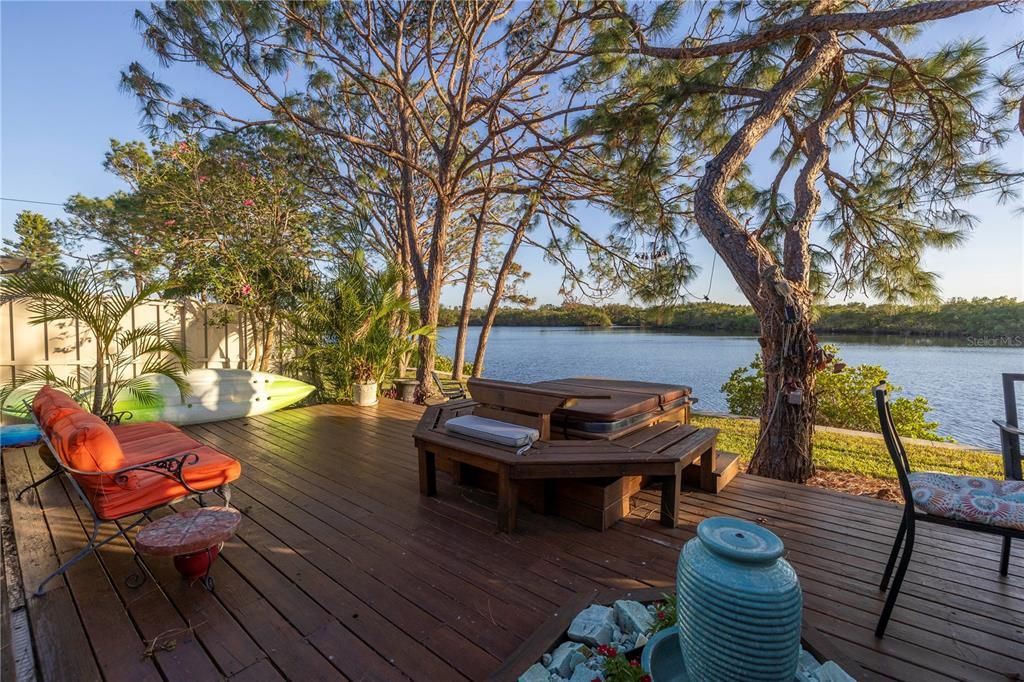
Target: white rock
{"points": [[632, 616], [831, 672], [641, 640], [545, 660], [807, 663], [535, 673], [593, 625], [584, 674], [567, 656]]}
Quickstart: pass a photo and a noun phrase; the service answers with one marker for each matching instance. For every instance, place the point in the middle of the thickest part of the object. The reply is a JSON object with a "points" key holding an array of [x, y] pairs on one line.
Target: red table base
{"points": [[193, 537], [196, 566]]}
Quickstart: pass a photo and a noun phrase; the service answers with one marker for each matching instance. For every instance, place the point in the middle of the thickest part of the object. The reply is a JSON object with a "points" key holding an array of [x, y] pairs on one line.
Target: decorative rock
{"points": [[641, 640], [831, 672], [807, 667], [567, 656], [535, 673], [593, 625], [545, 660], [583, 673], [632, 616]]}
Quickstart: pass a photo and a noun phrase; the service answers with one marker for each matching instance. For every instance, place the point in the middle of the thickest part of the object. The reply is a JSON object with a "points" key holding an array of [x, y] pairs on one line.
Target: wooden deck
{"points": [[342, 570]]}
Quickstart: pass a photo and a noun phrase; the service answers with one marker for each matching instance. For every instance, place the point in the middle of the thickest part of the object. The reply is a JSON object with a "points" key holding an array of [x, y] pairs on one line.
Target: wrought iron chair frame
{"points": [[449, 392], [911, 515], [171, 466], [1009, 430]]}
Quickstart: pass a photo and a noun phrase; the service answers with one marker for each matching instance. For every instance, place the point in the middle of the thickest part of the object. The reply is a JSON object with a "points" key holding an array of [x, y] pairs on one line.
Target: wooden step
{"points": [[726, 468]]}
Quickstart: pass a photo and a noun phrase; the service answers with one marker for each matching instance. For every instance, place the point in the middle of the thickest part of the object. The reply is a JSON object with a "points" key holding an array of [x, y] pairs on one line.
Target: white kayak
{"points": [[214, 395]]}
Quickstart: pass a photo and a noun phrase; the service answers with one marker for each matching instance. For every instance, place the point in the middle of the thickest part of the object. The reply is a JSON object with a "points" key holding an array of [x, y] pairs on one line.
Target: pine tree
{"points": [[37, 241], [873, 142]]}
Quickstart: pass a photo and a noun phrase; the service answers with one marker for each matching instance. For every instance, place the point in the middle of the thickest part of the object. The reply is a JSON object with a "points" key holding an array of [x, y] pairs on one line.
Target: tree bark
{"points": [[99, 380], [467, 295], [788, 348], [499, 287], [268, 343], [429, 294]]}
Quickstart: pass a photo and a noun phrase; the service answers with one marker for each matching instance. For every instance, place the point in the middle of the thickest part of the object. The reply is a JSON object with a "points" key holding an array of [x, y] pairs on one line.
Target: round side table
{"points": [[193, 537]]}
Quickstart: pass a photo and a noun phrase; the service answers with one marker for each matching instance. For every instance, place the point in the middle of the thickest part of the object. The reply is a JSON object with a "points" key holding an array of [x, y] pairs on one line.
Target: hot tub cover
{"points": [[493, 431], [626, 399]]}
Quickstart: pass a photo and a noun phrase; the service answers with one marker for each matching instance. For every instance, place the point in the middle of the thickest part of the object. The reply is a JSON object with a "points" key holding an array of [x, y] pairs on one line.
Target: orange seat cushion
{"points": [[157, 446], [50, 404], [49, 416], [85, 442], [48, 396], [151, 489], [130, 432]]}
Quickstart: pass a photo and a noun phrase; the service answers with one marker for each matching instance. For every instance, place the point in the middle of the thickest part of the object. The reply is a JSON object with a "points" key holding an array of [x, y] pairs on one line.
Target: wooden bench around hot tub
{"points": [[657, 453]]}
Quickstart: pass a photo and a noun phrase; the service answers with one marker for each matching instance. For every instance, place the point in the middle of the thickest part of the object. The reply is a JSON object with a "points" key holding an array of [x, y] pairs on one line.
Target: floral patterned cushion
{"points": [[970, 498]]}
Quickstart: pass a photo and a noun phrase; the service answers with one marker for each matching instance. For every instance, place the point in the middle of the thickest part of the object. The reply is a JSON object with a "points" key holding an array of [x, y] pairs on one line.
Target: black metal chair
{"points": [[449, 388], [985, 505], [1009, 430]]}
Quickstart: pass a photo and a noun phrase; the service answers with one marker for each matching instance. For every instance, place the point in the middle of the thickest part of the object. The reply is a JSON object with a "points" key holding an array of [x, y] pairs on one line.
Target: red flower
{"points": [[645, 678], [634, 664], [248, 202], [203, 178], [169, 222], [182, 146], [662, 615], [246, 289], [597, 679]]}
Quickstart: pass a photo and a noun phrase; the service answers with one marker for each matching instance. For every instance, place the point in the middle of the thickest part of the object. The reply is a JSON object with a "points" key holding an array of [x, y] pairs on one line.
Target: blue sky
{"points": [[60, 104]]}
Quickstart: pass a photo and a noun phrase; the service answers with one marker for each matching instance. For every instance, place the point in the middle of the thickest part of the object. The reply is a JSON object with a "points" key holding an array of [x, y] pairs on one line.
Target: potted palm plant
{"points": [[351, 336]]}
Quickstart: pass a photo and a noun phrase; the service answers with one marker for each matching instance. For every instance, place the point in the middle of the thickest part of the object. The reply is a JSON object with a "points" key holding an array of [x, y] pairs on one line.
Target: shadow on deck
{"points": [[341, 570]]}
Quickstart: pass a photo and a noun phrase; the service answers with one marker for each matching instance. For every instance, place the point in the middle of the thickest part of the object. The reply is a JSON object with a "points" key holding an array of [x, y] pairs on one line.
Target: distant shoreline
{"points": [[994, 323]]}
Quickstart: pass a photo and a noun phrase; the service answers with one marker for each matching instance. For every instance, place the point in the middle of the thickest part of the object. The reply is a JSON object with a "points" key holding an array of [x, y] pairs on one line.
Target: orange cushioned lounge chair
{"points": [[124, 470]]}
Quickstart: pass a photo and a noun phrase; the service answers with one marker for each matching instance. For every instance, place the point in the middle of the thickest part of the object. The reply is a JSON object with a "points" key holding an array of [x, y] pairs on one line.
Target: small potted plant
{"points": [[364, 383]]}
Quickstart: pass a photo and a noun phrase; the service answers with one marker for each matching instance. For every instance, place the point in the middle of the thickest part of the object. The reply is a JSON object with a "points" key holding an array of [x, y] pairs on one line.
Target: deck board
{"points": [[343, 571]]}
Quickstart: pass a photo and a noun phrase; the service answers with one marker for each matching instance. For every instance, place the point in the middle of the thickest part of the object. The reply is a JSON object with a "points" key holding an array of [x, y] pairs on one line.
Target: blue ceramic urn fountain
{"points": [[739, 604]]}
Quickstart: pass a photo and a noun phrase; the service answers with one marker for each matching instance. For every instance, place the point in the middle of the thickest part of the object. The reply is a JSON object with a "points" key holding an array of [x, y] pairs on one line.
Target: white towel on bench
{"points": [[494, 431]]}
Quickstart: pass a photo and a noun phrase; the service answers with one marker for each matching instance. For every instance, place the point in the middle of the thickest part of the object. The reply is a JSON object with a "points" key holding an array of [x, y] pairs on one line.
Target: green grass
{"points": [[859, 454]]}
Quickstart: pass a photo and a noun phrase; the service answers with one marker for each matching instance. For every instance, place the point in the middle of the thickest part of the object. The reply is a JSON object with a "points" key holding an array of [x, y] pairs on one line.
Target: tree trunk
{"points": [[268, 344], [467, 295], [499, 288], [427, 344], [784, 447], [429, 294], [99, 380], [404, 291]]}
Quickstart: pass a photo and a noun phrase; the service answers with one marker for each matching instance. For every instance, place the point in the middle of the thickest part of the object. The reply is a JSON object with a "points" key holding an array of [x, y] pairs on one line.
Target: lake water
{"points": [[962, 384]]}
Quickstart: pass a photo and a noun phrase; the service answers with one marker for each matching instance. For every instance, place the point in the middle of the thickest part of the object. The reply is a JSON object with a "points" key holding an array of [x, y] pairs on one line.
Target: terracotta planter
{"points": [[364, 394]]}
